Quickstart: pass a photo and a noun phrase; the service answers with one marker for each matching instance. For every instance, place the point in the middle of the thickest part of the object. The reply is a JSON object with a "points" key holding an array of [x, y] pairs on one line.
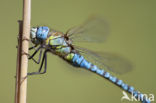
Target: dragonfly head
{"points": [[39, 34]]}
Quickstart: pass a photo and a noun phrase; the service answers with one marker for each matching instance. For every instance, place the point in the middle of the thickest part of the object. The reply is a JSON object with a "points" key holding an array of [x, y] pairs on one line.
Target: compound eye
{"points": [[42, 32]]}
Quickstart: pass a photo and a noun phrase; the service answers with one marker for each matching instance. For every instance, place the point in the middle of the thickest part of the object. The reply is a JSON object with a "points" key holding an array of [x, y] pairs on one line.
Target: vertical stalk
{"points": [[25, 46], [22, 59]]}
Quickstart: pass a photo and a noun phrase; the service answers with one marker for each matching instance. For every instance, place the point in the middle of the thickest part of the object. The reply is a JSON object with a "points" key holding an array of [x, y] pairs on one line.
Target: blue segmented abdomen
{"points": [[80, 61]]}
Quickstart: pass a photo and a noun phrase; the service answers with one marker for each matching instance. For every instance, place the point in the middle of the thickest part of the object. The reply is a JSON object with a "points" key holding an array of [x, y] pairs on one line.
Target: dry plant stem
{"points": [[22, 60]]}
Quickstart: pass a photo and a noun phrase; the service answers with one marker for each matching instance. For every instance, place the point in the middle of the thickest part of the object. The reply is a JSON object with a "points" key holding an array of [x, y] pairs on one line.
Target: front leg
{"points": [[31, 57]]}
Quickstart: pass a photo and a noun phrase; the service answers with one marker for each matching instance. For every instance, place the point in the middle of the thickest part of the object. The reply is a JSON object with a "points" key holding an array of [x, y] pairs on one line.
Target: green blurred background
{"points": [[133, 35]]}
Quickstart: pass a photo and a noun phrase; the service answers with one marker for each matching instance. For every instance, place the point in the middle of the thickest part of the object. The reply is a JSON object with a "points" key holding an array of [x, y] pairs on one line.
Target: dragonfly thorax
{"points": [[59, 44]]}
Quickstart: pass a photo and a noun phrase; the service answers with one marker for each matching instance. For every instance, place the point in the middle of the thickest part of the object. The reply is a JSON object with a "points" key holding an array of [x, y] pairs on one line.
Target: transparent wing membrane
{"points": [[109, 61], [95, 29]]}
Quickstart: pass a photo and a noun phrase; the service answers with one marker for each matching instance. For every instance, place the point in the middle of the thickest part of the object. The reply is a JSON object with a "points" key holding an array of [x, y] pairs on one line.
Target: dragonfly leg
{"points": [[32, 47], [35, 52], [31, 57], [39, 59], [45, 63], [44, 60]]}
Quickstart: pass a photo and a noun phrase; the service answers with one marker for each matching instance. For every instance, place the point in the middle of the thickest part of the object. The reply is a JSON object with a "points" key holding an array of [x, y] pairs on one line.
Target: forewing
{"points": [[95, 29]]}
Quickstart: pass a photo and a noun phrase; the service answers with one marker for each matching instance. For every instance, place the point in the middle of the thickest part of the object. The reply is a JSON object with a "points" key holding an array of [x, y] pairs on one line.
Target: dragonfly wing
{"points": [[110, 61], [95, 29]]}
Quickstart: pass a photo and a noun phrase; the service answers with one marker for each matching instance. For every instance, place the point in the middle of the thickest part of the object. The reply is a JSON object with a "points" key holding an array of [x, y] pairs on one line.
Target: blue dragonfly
{"points": [[62, 44]]}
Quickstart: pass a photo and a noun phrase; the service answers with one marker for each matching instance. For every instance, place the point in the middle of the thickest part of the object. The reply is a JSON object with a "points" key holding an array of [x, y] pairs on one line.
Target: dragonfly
{"points": [[93, 30]]}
